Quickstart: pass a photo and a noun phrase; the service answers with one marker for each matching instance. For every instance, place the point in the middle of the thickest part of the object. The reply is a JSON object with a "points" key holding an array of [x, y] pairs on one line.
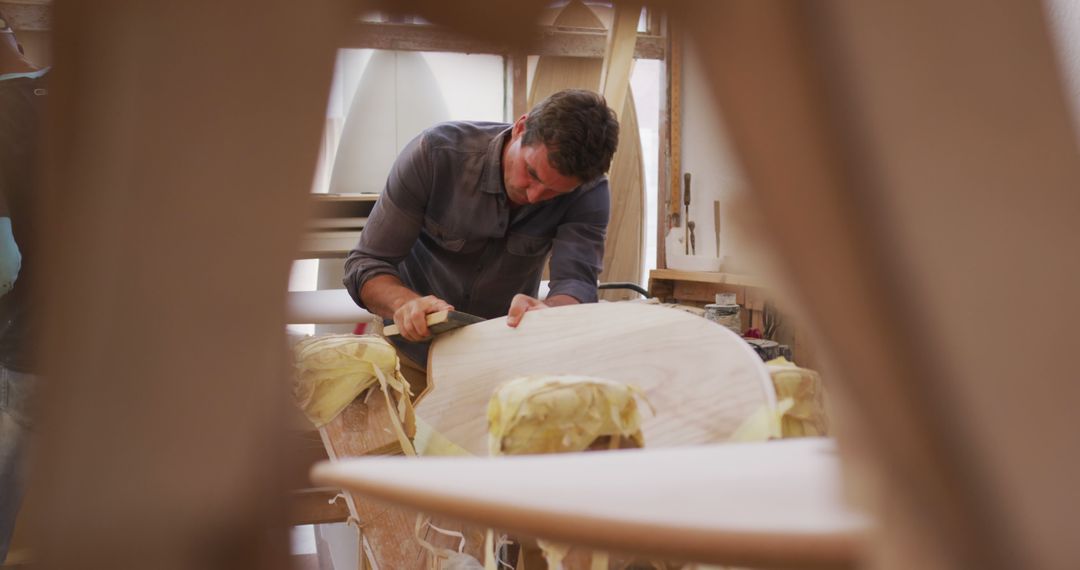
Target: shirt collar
{"points": [[492, 176]]}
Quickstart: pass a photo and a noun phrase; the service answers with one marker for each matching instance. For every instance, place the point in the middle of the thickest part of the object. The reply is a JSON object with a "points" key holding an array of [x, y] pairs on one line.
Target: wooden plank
{"points": [[674, 105], [342, 205], [663, 178], [185, 195], [317, 506], [707, 277], [327, 244], [515, 77], [702, 380], [618, 56], [337, 223], [704, 292], [901, 275], [556, 42], [662, 289], [654, 21], [752, 515]]}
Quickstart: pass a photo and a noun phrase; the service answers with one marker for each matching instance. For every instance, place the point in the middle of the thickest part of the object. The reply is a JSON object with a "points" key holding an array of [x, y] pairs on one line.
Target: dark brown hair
{"points": [[579, 130]]}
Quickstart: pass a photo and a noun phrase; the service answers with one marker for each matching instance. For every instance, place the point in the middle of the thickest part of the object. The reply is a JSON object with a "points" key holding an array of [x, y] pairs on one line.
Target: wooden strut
{"points": [[674, 98]]}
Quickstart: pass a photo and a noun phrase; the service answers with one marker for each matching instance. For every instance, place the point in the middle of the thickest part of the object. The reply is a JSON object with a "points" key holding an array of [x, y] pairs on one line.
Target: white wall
{"points": [[706, 154]]}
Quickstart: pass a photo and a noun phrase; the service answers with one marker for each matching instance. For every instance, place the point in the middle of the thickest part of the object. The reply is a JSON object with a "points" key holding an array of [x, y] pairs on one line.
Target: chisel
{"points": [[686, 203]]}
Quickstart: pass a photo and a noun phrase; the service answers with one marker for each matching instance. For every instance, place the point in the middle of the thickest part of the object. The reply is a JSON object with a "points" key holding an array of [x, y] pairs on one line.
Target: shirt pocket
{"points": [[443, 238], [527, 246]]}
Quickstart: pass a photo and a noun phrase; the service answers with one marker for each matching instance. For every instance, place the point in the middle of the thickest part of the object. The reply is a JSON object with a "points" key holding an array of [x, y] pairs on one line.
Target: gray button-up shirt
{"points": [[444, 226]]}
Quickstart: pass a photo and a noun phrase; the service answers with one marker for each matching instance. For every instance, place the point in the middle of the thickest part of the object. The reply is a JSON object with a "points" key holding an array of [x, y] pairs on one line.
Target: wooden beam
{"points": [[674, 101], [327, 244], [317, 506], [422, 37], [663, 177], [654, 21], [618, 56], [516, 67], [152, 189], [889, 145]]}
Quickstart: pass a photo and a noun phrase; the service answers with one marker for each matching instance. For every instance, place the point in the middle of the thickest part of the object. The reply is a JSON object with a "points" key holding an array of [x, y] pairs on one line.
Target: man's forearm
{"points": [[384, 294]]}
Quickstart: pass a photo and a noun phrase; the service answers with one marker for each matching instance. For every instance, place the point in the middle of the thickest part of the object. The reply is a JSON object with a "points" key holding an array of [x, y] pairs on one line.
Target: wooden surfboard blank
{"points": [[702, 379], [625, 242], [775, 504]]}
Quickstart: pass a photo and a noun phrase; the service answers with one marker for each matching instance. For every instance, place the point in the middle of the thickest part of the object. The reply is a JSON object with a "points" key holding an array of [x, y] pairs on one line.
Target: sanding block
{"points": [[440, 322]]}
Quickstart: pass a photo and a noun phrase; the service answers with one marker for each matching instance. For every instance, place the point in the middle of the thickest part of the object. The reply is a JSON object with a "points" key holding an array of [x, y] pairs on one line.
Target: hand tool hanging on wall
{"points": [[693, 242], [686, 205], [716, 224]]}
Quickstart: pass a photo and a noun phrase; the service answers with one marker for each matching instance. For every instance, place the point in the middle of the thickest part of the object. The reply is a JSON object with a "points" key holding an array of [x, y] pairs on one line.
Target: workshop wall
{"points": [[707, 155]]}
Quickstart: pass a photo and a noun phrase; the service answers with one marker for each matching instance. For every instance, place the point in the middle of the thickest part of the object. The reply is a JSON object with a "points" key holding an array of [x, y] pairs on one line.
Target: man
{"points": [[22, 94], [471, 210]]}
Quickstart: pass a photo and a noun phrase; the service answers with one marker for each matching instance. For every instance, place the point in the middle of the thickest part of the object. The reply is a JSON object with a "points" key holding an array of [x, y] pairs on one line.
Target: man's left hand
{"points": [[522, 303], [519, 305]]}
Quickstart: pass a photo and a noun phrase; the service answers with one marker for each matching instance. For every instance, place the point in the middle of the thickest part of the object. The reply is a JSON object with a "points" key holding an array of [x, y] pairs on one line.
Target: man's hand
{"points": [[519, 305], [522, 303], [411, 317], [387, 297]]}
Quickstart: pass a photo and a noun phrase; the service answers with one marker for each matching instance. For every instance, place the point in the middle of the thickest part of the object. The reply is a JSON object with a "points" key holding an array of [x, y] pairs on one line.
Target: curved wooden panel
{"points": [[701, 378], [776, 504]]}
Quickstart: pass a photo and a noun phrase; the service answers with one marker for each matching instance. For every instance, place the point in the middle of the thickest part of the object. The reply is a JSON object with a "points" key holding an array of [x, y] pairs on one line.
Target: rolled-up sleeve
{"points": [[394, 223], [577, 253]]}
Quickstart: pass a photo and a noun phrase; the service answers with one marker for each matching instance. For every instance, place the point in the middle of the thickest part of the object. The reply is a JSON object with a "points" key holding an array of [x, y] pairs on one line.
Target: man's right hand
{"points": [[411, 317]]}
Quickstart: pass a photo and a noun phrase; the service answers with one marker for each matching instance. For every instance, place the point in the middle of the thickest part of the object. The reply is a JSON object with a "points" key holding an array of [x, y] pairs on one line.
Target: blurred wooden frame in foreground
{"points": [[914, 159]]}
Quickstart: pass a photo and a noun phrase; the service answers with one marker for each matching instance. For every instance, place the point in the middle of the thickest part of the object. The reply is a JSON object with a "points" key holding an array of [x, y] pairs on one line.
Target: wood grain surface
{"points": [[625, 242], [701, 378], [761, 504]]}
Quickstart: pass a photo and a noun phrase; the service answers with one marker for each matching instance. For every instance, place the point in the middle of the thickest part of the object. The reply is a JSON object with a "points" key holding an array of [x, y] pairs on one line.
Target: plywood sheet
{"points": [[701, 378], [750, 513]]}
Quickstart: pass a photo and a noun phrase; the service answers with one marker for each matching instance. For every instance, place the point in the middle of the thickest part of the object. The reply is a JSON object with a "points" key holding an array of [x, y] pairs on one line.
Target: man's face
{"points": [[528, 176]]}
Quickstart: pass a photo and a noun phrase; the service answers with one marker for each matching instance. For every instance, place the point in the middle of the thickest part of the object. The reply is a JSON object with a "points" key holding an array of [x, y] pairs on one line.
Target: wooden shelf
{"points": [[718, 278], [328, 244], [343, 205], [335, 225]]}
